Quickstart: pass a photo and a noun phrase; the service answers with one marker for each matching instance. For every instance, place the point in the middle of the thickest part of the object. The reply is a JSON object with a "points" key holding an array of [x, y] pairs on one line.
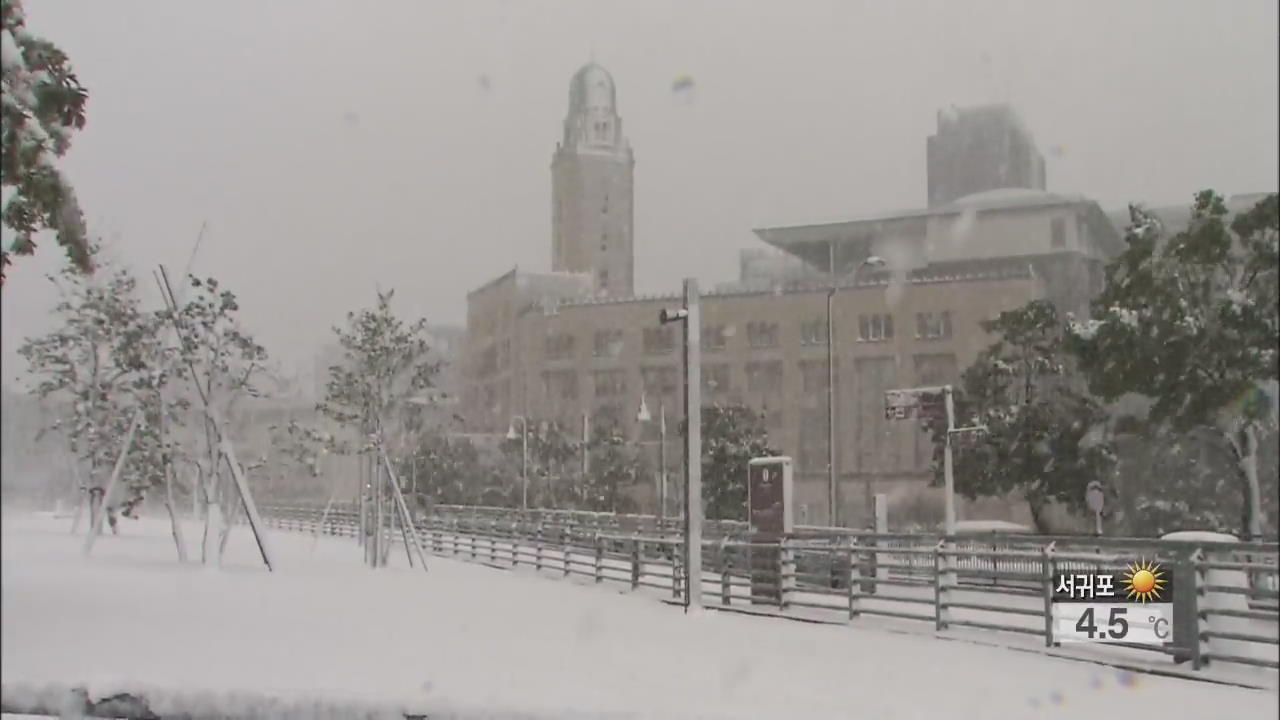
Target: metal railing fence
{"points": [[1226, 593]]}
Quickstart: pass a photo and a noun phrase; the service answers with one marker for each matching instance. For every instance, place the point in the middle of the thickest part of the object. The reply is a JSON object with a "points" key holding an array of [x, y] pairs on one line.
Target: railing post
{"points": [[784, 556], [599, 558], [537, 549], [517, 534], [635, 561], [855, 579], [493, 541], [675, 575], [457, 539], [1199, 645], [726, 568], [941, 582], [1046, 567], [564, 539]]}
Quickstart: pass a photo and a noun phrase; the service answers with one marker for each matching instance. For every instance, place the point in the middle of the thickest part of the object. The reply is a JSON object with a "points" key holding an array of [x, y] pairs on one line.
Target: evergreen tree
{"points": [[1043, 438], [1190, 323], [43, 104]]}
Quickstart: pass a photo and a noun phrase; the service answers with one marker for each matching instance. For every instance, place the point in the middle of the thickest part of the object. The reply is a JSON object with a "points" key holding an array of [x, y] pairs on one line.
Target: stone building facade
{"points": [[592, 188], [576, 344], [915, 322]]}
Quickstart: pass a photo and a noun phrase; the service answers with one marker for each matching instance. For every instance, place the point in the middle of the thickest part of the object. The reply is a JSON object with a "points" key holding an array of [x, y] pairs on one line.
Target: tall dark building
{"points": [[591, 188], [982, 148]]}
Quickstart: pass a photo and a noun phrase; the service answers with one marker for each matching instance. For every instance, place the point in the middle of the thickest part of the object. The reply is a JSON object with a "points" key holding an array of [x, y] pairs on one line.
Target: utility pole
{"points": [[831, 394], [689, 314], [662, 460], [832, 500], [947, 466]]}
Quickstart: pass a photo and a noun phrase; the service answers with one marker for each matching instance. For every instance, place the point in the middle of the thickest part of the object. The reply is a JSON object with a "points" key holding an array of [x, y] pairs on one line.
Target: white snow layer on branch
{"points": [[10, 55], [17, 88], [1238, 299], [1085, 330]]}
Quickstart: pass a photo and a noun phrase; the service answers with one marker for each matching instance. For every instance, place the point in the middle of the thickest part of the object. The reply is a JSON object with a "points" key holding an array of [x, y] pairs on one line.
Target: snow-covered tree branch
{"points": [[41, 105], [1190, 322]]}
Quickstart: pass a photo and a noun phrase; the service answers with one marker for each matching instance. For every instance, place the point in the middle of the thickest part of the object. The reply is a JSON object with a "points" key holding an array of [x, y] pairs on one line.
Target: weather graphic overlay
{"points": [[1132, 605], [1144, 582]]}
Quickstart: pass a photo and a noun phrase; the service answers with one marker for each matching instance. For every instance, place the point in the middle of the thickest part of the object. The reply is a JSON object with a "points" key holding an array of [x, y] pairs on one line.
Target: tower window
{"points": [[1057, 233], [604, 278], [604, 242]]}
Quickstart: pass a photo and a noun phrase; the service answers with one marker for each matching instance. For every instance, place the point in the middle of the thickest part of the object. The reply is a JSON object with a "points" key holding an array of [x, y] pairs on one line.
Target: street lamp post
{"points": [[872, 261], [524, 457], [644, 416], [689, 316]]}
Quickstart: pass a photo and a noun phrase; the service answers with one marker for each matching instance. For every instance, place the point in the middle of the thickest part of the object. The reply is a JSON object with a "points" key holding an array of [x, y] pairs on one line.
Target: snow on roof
{"points": [[1201, 536], [981, 526], [1004, 199], [1005, 195]]}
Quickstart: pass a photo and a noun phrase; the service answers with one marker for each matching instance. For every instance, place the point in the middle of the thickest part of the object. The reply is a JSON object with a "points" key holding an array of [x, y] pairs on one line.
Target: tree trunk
{"points": [[1038, 520], [230, 517], [81, 492], [212, 520], [95, 502], [1244, 444], [174, 526]]}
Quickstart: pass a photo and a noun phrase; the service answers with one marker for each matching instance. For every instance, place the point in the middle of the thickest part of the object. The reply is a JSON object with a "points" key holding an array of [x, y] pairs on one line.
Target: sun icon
{"points": [[1144, 581]]}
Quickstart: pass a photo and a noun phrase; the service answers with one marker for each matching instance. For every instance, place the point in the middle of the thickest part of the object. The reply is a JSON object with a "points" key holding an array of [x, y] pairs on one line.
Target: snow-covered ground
{"points": [[464, 636]]}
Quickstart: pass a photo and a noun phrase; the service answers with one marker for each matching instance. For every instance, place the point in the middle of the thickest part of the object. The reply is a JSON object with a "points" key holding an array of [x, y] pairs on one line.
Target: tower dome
{"points": [[592, 89]]}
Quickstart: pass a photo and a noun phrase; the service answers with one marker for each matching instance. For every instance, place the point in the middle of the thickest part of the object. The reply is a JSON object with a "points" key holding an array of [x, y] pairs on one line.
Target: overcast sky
{"points": [[338, 146]]}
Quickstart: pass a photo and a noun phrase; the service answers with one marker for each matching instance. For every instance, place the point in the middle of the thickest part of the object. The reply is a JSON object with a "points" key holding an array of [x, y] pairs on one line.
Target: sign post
{"points": [[932, 403], [769, 493], [1094, 498]]}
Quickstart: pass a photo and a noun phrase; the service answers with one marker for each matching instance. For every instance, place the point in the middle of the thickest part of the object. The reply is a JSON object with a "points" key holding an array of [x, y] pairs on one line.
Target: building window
{"points": [[814, 377], [762, 334], [609, 383], [715, 379], [489, 361], [813, 439], [659, 380], [608, 343], [560, 384], [605, 208], [764, 377], [813, 332], [659, 341], [1058, 233], [933, 326], [604, 278], [713, 337], [558, 347], [875, 328]]}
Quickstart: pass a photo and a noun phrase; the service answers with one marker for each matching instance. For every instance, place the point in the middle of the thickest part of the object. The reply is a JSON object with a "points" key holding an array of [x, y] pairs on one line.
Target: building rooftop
{"points": [[958, 272], [812, 241]]}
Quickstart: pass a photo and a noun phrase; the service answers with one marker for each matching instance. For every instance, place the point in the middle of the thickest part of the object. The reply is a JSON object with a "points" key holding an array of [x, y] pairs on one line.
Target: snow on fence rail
{"points": [[1001, 583]]}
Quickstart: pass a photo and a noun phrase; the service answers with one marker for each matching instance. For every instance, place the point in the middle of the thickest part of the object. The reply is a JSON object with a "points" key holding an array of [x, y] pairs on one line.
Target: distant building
{"points": [[550, 346], [763, 268], [1176, 218], [981, 148], [591, 188]]}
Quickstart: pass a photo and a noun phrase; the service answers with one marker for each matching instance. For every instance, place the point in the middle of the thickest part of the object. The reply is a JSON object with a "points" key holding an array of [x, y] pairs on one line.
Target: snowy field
{"points": [[467, 640]]}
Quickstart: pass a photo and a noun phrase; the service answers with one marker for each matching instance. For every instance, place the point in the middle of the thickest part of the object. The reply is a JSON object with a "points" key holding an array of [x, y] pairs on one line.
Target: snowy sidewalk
{"points": [[465, 636]]}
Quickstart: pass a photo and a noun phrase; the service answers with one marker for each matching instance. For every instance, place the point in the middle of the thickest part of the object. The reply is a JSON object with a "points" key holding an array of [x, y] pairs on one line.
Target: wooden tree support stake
{"points": [[403, 507]]}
